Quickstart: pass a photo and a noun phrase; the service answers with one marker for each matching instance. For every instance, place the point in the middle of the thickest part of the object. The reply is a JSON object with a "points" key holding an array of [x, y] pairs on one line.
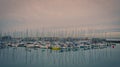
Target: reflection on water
{"points": [[29, 57]]}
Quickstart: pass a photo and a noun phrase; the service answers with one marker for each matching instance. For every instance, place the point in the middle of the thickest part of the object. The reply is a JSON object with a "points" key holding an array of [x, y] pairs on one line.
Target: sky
{"points": [[100, 15]]}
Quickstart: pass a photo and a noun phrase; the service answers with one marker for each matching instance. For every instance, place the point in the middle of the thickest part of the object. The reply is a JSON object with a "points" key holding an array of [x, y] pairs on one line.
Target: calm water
{"points": [[22, 57]]}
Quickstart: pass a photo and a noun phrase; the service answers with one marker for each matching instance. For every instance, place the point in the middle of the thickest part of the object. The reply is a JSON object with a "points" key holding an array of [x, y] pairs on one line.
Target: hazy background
{"points": [[67, 15]]}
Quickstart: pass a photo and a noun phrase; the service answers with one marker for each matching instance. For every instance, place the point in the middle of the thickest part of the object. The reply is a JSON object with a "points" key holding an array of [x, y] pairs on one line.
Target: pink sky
{"points": [[34, 14]]}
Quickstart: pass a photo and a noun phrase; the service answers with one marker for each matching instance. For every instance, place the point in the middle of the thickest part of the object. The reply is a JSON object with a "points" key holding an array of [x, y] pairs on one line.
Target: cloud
{"points": [[32, 14]]}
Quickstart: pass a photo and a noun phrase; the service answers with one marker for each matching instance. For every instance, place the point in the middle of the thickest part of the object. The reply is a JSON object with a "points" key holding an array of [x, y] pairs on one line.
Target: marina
{"points": [[59, 33], [29, 57], [59, 52], [55, 51]]}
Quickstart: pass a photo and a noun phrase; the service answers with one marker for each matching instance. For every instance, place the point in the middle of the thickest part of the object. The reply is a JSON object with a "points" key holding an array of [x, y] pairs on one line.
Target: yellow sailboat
{"points": [[55, 48]]}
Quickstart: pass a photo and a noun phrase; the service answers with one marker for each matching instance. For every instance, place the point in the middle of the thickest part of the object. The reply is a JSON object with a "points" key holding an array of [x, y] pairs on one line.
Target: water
{"points": [[22, 57]]}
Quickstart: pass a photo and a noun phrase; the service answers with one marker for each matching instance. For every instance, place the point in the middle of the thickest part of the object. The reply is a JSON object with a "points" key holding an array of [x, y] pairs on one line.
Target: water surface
{"points": [[30, 57]]}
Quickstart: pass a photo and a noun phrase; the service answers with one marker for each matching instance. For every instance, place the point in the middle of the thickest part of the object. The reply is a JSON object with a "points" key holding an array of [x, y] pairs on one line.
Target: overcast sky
{"points": [[34, 14]]}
